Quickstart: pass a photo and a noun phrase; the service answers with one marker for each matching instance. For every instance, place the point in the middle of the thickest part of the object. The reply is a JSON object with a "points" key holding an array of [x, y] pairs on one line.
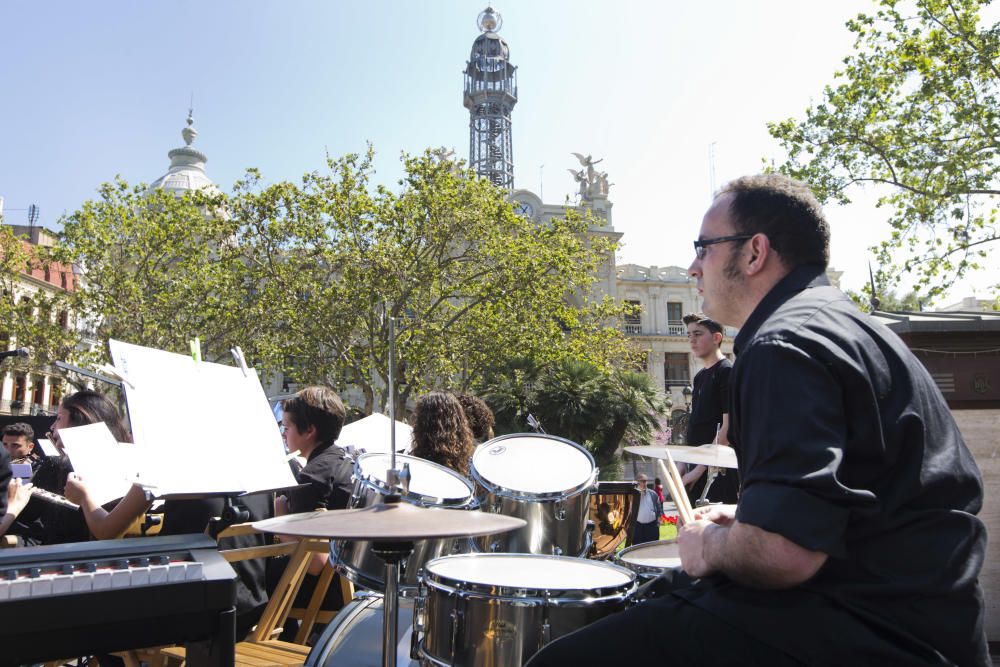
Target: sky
{"points": [[95, 90]]}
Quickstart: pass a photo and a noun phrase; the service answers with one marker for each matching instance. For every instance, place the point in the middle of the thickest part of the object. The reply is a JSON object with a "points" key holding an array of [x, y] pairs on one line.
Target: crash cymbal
{"points": [[720, 456], [390, 522]]}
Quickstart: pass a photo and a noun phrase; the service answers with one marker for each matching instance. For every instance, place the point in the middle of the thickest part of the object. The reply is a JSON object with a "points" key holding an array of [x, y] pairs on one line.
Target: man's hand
{"points": [[280, 506], [724, 515], [691, 539]]}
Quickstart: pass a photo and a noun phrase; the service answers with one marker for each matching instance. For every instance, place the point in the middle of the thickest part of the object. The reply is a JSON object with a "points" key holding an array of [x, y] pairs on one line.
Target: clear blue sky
{"points": [[91, 90]]}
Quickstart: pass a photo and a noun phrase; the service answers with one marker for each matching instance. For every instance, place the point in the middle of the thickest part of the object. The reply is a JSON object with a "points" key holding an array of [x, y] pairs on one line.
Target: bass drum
{"points": [[354, 636]]}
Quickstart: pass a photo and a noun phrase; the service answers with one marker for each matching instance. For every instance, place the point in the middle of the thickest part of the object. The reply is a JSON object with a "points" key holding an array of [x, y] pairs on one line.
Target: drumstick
{"points": [[676, 487]]}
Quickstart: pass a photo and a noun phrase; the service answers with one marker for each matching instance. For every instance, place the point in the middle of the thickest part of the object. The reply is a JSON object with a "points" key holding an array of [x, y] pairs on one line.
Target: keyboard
{"points": [[87, 598]]}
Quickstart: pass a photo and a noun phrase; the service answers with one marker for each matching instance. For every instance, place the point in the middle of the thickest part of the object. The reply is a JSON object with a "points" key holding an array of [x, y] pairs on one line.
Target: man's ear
{"points": [[760, 254]]}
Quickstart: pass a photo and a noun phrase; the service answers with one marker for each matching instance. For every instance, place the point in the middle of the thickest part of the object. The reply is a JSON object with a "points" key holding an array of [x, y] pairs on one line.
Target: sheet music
{"points": [[48, 448], [108, 467], [208, 428]]}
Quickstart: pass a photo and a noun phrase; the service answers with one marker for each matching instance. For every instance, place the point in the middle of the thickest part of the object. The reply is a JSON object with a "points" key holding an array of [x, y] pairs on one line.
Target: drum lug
{"points": [[557, 551], [457, 614], [495, 506], [496, 547], [560, 510]]}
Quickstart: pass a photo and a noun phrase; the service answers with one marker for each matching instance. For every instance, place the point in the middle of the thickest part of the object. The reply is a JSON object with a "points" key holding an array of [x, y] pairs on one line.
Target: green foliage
{"points": [[31, 313], [888, 301], [468, 282], [916, 113], [161, 269], [600, 409]]}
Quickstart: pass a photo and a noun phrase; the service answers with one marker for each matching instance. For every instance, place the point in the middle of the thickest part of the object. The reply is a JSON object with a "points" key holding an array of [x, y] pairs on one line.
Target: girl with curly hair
{"points": [[441, 432]]}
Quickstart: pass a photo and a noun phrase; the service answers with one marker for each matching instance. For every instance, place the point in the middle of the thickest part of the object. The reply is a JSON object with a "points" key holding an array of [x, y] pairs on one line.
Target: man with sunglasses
{"points": [[855, 538]]}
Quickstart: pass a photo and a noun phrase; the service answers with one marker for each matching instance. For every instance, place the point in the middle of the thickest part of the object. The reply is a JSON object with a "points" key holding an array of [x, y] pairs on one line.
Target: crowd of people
{"points": [[848, 535]]}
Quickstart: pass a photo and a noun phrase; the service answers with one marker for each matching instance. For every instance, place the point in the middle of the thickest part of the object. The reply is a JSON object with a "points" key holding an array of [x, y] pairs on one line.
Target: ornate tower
{"points": [[490, 96]]}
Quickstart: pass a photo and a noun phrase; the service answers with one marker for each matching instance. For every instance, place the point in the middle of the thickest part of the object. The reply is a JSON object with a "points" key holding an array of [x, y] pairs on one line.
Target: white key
{"points": [[20, 588], [62, 584], [157, 574], [193, 572], [140, 576], [175, 571], [41, 586], [83, 581], [121, 578], [4, 589], [102, 580]]}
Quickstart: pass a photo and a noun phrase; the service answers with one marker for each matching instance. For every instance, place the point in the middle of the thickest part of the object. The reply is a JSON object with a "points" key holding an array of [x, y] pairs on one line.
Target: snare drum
{"points": [[545, 480], [650, 559], [354, 637], [493, 610], [431, 485]]}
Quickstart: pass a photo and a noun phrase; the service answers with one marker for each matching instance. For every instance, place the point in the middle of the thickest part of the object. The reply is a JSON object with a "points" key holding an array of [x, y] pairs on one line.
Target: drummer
{"points": [[855, 539]]}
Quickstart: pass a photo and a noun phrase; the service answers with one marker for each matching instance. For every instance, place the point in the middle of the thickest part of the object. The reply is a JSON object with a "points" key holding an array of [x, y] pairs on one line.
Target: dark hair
{"points": [[317, 406], [20, 429], [701, 320], [441, 432], [89, 407], [479, 416], [784, 210]]}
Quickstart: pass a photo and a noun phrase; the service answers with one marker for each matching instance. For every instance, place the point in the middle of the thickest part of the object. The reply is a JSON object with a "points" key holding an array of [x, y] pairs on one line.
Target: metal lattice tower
{"points": [[490, 96]]}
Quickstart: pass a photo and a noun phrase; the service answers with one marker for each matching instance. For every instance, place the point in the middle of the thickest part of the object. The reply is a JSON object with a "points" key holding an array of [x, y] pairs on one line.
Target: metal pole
{"points": [[392, 392]]}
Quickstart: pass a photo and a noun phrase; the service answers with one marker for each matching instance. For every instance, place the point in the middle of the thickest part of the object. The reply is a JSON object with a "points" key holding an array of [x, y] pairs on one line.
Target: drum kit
{"points": [[482, 572]]}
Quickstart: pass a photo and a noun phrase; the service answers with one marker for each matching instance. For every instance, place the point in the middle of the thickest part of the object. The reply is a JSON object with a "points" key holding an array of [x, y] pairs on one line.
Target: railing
{"points": [[673, 329], [25, 408], [633, 329]]}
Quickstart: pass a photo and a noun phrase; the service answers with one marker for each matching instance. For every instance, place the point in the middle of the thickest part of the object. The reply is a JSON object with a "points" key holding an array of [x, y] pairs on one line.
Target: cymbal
{"points": [[720, 456], [390, 522]]}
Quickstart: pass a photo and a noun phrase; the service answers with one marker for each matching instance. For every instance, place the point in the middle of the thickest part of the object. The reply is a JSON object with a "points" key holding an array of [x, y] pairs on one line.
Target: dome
{"points": [[187, 167]]}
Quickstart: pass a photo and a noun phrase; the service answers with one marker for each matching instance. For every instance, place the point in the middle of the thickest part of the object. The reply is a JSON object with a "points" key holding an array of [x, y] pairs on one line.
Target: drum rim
{"points": [[551, 596], [497, 490], [619, 558], [412, 497]]}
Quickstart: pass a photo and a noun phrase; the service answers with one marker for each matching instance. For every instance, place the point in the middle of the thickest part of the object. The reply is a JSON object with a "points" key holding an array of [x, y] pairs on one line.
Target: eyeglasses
{"points": [[700, 246]]}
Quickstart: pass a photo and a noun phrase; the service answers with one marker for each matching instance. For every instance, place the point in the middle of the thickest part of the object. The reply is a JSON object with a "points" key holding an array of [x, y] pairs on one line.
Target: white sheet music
{"points": [[208, 428], [108, 467], [47, 447]]}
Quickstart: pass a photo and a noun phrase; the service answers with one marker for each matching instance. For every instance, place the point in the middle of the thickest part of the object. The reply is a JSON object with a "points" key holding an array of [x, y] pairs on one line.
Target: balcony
{"points": [[25, 408], [673, 329]]}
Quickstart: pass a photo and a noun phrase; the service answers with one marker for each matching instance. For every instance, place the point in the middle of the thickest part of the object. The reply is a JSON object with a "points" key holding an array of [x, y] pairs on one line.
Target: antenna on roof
{"points": [[32, 215], [874, 300]]}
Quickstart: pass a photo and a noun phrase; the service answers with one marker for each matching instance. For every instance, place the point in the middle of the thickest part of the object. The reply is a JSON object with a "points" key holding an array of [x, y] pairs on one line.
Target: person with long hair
{"points": [[480, 417], [441, 432]]}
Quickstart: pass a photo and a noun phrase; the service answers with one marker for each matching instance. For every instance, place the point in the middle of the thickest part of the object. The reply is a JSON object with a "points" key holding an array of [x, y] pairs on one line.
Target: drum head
{"points": [[429, 482], [529, 572], [533, 464], [664, 554]]}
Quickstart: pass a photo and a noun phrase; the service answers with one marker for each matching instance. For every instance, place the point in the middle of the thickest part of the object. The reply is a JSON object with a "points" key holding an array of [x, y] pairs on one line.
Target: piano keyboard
{"points": [[84, 598]]}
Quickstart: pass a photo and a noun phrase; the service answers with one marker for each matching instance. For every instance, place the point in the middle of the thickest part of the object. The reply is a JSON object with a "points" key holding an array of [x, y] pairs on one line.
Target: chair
{"points": [[261, 648]]}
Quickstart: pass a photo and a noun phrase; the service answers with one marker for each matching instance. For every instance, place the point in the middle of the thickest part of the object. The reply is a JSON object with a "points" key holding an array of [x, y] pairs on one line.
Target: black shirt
{"points": [[327, 476], [847, 447], [709, 402], [5, 475]]}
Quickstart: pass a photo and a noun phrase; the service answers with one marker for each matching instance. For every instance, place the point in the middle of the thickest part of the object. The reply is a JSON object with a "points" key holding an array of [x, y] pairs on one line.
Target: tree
{"points": [[468, 282], [915, 112], [161, 269], [34, 317]]}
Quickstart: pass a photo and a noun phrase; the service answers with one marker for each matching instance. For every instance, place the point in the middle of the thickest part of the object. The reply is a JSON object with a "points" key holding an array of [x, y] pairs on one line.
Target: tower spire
{"points": [[490, 96]]}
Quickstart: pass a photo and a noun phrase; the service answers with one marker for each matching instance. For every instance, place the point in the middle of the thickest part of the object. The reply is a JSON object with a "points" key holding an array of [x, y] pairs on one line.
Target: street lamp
{"points": [[687, 391]]}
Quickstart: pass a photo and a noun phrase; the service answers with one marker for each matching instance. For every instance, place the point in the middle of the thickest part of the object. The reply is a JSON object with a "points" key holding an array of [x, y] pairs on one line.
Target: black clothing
{"points": [[662, 631], [192, 516], [42, 522], [5, 475], [846, 447], [327, 474], [709, 401]]}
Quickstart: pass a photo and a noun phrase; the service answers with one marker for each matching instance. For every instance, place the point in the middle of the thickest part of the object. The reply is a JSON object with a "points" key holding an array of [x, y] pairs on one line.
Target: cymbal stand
{"points": [[392, 552], [710, 475]]}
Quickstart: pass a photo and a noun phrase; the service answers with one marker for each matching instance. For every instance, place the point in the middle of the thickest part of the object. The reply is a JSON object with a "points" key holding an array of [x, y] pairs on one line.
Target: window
{"points": [[675, 318], [633, 319], [676, 370]]}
